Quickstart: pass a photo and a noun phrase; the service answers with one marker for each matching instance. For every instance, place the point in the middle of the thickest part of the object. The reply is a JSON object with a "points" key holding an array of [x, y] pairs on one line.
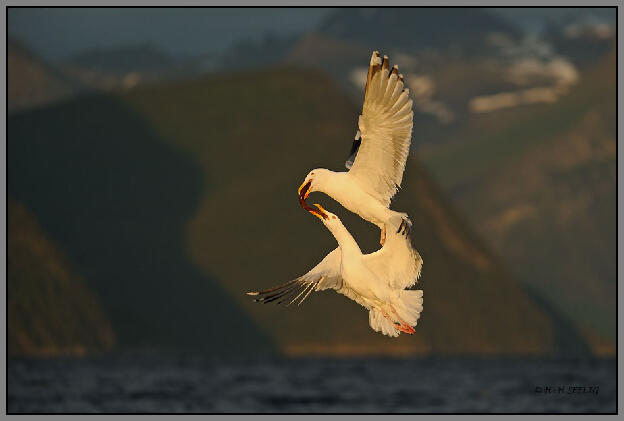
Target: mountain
{"points": [[449, 56], [50, 309], [539, 184], [262, 52], [418, 39], [410, 29], [33, 82], [484, 117], [122, 59], [116, 199], [127, 66], [174, 200], [585, 42]]}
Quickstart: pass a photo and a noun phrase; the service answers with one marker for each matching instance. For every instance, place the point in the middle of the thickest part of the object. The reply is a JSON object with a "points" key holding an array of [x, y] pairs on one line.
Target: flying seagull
{"points": [[377, 281], [378, 154]]}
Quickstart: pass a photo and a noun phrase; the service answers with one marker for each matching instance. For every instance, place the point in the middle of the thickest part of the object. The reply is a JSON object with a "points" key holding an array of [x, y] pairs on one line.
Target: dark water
{"points": [[195, 384]]}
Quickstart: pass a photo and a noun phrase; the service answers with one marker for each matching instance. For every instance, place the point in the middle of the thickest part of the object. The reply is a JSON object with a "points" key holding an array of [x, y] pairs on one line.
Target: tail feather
{"points": [[379, 323], [409, 305]]}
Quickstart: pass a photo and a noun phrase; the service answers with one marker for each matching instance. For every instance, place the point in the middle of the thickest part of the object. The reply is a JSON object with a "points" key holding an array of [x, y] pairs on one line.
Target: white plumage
{"points": [[377, 281], [374, 177], [386, 129]]}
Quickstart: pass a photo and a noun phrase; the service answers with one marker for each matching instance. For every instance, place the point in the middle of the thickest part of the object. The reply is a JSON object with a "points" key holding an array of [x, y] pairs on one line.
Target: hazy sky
{"points": [[531, 18], [56, 33]]}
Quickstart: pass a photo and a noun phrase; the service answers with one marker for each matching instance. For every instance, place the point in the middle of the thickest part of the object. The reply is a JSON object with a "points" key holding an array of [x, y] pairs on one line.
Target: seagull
{"points": [[378, 153], [377, 281]]}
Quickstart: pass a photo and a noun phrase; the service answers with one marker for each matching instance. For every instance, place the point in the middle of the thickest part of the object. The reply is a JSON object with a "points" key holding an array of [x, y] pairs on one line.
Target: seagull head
{"points": [[331, 221], [313, 182]]}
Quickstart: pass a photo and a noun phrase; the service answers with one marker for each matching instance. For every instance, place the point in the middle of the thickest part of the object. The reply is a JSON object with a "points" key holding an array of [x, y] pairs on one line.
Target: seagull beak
{"points": [[303, 193], [320, 213], [303, 190]]}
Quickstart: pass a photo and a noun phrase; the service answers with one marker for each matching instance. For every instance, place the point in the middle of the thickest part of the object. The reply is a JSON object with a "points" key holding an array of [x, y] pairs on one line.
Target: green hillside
{"points": [[177, 199], [50, 309], [538, 183]]}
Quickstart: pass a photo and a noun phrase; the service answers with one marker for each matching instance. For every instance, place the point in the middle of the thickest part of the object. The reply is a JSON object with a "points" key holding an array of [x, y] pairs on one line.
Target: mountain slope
{"points": [[50, 309], [116, 198], [177, 199], [33, 82], [539, 184], [255, 136], [414, 28]]}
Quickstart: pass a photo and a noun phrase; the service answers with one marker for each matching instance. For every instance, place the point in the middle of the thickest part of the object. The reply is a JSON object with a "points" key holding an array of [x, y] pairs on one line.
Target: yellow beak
{"points": [[321, 213], [303, 190]]}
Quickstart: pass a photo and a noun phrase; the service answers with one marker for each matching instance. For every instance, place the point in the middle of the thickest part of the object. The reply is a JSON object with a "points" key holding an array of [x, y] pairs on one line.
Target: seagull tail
{"points": [[379, 323], [291, 291], [409, 305]]}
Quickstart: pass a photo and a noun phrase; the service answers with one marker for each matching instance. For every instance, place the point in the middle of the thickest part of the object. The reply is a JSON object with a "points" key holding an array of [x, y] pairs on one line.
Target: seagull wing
{"points": [[386, 131], [397, 262], [352, 295], [325, 275]]}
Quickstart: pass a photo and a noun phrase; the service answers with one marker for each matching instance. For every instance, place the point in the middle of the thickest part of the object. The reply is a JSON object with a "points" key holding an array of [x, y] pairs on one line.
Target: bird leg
{"points": [[391, 321], [406, 328], [399, 327], [382, 239]]}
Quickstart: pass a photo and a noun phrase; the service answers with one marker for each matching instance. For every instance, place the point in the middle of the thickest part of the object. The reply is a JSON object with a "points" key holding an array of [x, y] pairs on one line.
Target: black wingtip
{"points": [[355, 147]]}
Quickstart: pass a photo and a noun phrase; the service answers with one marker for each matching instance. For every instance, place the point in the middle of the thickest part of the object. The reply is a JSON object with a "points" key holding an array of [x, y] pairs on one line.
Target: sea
{"points": [[197, 384]]}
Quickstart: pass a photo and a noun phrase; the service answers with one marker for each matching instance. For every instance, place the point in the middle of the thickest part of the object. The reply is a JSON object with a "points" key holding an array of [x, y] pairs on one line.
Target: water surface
{"points": [[166, 383]]}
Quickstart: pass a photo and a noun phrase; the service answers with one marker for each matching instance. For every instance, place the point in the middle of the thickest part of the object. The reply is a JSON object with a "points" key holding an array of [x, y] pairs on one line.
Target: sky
{"points": [[57, 33], [532, 18]]}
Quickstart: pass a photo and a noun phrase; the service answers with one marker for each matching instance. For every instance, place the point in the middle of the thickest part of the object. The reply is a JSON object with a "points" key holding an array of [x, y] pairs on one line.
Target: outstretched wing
{"points": [[386, 129], [322, 276], [397, 262]]}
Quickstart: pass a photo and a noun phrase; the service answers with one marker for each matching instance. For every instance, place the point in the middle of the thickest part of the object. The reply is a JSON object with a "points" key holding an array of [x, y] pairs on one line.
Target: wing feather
{"points": [[386, 128], [325, 275], [400, 102], [397, 262], [398, 89], [392, 84]]}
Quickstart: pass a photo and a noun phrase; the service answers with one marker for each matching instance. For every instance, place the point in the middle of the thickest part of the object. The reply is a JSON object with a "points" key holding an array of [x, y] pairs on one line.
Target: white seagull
{"points": [[377, 281], [378, 154]]}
